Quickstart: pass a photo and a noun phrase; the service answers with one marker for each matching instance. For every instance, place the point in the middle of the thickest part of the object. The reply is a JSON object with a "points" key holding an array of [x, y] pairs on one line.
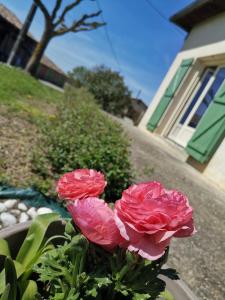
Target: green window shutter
{"points": [[170, 91], [210, 131]]}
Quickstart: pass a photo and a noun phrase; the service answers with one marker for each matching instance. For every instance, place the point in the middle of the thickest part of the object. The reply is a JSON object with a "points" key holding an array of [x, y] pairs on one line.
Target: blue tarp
{"points": [[32, 197]]}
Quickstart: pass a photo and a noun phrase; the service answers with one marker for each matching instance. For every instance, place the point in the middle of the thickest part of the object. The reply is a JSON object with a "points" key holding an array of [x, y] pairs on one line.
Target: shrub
{"points": [[107, 86], [82, 136]]}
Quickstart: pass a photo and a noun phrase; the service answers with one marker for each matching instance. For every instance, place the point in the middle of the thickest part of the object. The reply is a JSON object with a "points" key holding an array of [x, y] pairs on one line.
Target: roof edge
{"points": [[197, 12]]}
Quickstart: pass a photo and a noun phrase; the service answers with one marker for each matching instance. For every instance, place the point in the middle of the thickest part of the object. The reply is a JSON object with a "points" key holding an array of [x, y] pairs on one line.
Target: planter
{"points": [[16, 234]]}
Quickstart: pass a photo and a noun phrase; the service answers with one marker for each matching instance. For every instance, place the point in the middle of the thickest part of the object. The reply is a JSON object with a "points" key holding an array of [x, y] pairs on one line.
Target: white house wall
{"points": [[216, 166], [205, 40]]}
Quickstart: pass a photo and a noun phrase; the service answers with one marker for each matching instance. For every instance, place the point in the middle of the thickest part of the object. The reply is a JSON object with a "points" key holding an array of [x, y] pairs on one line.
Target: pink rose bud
{"points": [[96, 221], [80, 184], [148, 216]]}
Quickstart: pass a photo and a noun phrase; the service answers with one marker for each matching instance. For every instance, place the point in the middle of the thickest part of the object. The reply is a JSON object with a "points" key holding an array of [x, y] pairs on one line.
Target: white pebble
{"points": [[23, 217], [44, 210], [7, 219], [32, 212], [15, 212], [2, 207], [22, 206], [10, 203]]}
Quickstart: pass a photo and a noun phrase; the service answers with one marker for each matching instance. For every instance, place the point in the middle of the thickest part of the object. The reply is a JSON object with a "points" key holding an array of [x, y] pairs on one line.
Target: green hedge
{"points": [[82, 136]]}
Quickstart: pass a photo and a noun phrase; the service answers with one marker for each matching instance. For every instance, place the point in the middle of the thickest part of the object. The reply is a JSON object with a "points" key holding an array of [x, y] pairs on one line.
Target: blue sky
{"points": [[145, 43]]}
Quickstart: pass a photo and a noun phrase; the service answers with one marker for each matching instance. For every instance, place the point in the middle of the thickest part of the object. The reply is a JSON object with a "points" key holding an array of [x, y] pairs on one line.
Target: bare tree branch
{"points": [[56, 26], [66, 10], [80, 25], [56, 8], [42, 8], [65, 30]]}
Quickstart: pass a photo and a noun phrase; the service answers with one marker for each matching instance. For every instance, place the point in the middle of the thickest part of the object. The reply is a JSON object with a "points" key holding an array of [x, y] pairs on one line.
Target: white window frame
{"points": [[185, 127]]}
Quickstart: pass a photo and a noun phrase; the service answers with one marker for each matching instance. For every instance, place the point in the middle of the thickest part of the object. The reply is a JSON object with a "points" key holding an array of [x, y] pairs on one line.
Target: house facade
{"points": [[9, 30], [189, 106], [136, 110]]}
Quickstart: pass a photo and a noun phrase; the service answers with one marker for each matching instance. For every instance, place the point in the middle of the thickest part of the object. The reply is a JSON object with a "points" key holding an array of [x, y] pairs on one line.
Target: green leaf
{"points": [[103, 281], [5, 295], [69, 228], [11, 277], [4, 248], [138, 296], [19, 271], [166, 295], [34, 238], [31, 291]]}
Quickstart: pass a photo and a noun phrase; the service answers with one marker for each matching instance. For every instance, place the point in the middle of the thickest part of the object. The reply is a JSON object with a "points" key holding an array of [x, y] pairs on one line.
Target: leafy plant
{"points": [[82, 136], [80, 270], [77, 269], [16, 278]]}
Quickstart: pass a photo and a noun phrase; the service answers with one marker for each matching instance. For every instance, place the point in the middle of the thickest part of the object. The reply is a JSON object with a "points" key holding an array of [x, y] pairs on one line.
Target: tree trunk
{"points": [[35, 59]]}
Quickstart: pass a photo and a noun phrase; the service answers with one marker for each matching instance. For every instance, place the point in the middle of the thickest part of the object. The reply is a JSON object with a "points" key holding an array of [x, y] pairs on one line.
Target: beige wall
{"points": [[206, 33], [206, 42], [216, 167]]}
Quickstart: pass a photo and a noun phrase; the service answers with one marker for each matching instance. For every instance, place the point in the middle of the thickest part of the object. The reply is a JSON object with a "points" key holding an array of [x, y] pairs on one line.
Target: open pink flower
{"points": [[96, 221], [81, 183], [148, 216]]}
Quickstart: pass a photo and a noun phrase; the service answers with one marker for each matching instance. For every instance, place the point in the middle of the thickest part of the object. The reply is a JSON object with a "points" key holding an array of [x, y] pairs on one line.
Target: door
{"points": [[197, 105]]}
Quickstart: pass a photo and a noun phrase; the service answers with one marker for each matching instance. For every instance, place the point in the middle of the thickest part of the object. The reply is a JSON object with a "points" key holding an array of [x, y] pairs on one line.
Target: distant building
{"points": [[189, 107], [9, 30], [136, 110]]}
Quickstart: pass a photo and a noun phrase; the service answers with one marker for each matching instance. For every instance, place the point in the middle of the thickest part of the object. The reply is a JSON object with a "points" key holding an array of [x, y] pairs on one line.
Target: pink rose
{"points": [[148, 216], [81, 183], [96, 221]]}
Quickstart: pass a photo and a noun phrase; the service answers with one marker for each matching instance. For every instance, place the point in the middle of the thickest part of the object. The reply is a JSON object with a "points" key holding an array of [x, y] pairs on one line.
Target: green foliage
{"points": [[68, 267], [15, 278], [17, 88], [82, 136], [10, 278], [166, 295], [79, 270], [107, 86]]}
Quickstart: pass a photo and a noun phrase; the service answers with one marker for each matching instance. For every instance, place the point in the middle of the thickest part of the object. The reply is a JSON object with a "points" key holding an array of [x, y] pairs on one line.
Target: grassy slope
{"points": [[23, 100], [25, 104], [20, 92]]}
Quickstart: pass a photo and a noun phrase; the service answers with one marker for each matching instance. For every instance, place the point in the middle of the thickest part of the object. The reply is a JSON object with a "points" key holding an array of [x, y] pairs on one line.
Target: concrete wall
{"points": [[206, 42]]}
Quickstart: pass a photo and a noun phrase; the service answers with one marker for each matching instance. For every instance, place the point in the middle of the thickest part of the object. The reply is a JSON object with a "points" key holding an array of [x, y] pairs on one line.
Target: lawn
{"points": [[45, 133], [17, 85], [21, 93]]}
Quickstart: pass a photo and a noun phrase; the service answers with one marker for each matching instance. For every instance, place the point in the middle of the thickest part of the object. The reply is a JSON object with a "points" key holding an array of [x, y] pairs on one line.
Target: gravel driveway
{"points": [[200, 259]]}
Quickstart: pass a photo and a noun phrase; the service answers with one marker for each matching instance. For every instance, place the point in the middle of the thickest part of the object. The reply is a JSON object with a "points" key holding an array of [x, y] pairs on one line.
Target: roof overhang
{"points": [[198, 12]]}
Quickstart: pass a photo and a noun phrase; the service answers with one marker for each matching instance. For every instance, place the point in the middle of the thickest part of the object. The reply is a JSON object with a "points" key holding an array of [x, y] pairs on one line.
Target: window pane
{"points": [[208, 74], [208, 98]]}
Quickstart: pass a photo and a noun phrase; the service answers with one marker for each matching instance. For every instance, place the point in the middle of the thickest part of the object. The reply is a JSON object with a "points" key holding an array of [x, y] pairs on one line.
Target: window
{"points": [[206, 77], [219, 78]]}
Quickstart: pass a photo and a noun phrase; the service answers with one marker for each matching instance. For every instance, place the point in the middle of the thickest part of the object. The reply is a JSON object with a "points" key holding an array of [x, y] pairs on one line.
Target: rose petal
{"points": [[96, 221]]}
